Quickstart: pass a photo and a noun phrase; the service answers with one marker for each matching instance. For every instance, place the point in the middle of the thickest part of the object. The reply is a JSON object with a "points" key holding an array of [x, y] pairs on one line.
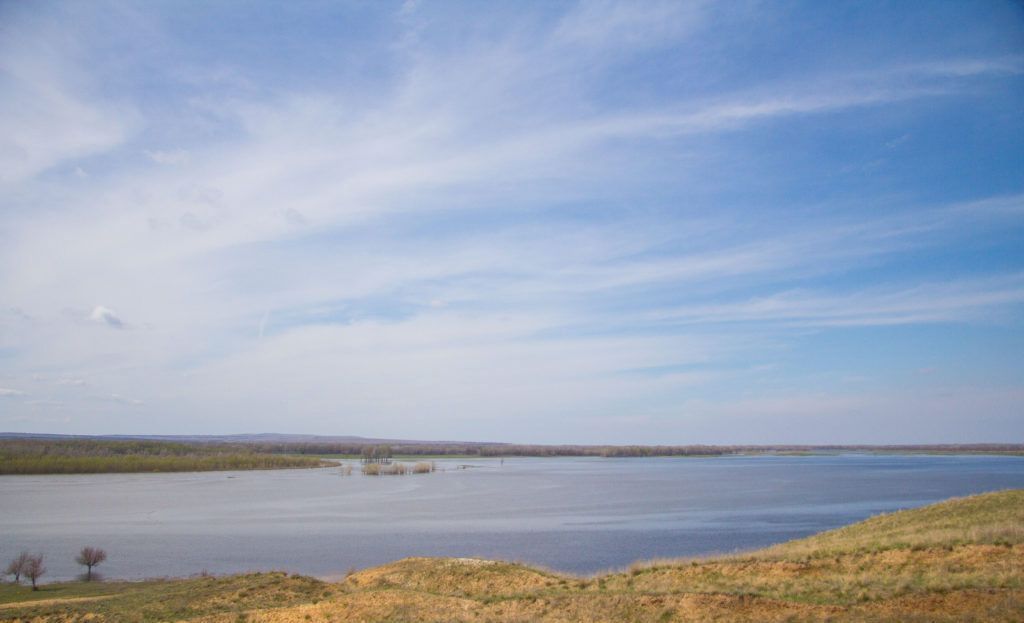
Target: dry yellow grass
{"points": [[424, 467], [396, 469], [962, 560]]}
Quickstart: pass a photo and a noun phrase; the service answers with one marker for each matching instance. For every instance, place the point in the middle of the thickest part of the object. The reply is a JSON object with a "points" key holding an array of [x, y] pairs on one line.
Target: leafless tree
{"points": [[90, 557], [34, 569], [17, 566]]}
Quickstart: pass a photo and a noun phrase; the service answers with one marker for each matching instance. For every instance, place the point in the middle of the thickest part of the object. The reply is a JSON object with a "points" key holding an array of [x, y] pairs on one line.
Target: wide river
{"points": [[573, 514]]}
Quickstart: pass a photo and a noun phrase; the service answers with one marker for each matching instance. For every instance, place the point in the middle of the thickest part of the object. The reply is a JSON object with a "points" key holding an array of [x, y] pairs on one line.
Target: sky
{"points": [[537, 222]]}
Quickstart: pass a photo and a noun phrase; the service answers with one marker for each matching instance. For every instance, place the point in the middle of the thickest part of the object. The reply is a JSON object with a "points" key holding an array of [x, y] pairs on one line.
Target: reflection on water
{"points": [[580, 515]]}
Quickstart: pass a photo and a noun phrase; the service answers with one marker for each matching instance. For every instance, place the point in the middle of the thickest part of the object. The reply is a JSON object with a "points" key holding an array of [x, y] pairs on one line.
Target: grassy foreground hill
{"points": [[960, 560]]}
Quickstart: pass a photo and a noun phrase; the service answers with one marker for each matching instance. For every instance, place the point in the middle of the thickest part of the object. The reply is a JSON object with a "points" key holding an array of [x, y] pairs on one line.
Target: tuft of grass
{"points": [[424, 467], [377, 469], [398, 469]]}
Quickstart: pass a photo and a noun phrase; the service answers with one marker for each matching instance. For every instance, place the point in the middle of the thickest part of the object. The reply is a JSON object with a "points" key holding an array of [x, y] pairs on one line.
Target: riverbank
{"points": [[24, 457], [960, 560], [93, 455]]}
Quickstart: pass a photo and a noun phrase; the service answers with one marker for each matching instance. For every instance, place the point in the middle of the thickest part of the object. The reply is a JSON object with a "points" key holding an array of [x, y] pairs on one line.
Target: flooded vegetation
{"points": [[98, 455], [398, 469]]}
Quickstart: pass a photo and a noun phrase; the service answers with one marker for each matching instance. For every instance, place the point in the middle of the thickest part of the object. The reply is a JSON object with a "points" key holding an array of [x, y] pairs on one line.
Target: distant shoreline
{"points": [[26, 455], [44, 456]]}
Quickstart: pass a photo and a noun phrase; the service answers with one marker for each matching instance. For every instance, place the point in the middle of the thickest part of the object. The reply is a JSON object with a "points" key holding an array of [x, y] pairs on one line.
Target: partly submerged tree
{"points": [[17, 566], [34, 569], [376, 454], [90, 557]]}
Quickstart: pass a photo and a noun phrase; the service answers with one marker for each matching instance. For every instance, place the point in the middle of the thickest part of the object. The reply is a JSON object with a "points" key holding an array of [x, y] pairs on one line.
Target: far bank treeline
{"points": [[423, 449], [92, 456], [97, 455]]}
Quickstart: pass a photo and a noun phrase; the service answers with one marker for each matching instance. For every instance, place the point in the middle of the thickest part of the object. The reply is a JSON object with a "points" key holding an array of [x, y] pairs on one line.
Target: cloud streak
{"points": [[106, 316], [958, 301], [493, 220]]}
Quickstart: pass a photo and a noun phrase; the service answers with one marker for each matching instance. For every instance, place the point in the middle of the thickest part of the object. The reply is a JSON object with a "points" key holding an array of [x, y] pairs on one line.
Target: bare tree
{"points": [[17, 566], [90, 557], [34, 569]]}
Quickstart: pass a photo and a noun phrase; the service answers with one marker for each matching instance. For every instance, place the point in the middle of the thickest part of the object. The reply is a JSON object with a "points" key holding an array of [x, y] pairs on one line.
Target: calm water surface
{"points": [[573, 514]]}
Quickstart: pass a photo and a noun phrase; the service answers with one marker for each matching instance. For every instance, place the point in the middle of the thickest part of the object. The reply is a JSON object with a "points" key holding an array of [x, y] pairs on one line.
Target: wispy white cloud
{"points": [[926, 414], [966, 67], [168, 157], [498, 227], [119, 399], [956, 301], [48, 115], [53, 404], [106, 316], [615, 24]]}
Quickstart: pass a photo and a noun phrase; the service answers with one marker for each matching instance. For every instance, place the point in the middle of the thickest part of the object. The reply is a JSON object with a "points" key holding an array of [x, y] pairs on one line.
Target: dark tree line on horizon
{"points": [[490, 449], [25, 456]]}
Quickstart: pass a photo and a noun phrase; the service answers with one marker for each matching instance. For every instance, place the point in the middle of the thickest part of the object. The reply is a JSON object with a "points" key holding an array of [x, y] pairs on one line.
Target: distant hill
{"points": [[243, 438], [351, 444]]}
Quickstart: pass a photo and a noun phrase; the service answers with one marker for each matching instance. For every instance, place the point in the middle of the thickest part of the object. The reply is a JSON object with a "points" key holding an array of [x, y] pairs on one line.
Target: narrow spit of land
{"points": [[31, 456], [959, 560], [80, 455]]}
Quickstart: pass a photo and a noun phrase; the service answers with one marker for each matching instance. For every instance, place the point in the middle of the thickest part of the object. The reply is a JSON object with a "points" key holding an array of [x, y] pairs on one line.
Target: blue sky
{"points": [[597, 222]]}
